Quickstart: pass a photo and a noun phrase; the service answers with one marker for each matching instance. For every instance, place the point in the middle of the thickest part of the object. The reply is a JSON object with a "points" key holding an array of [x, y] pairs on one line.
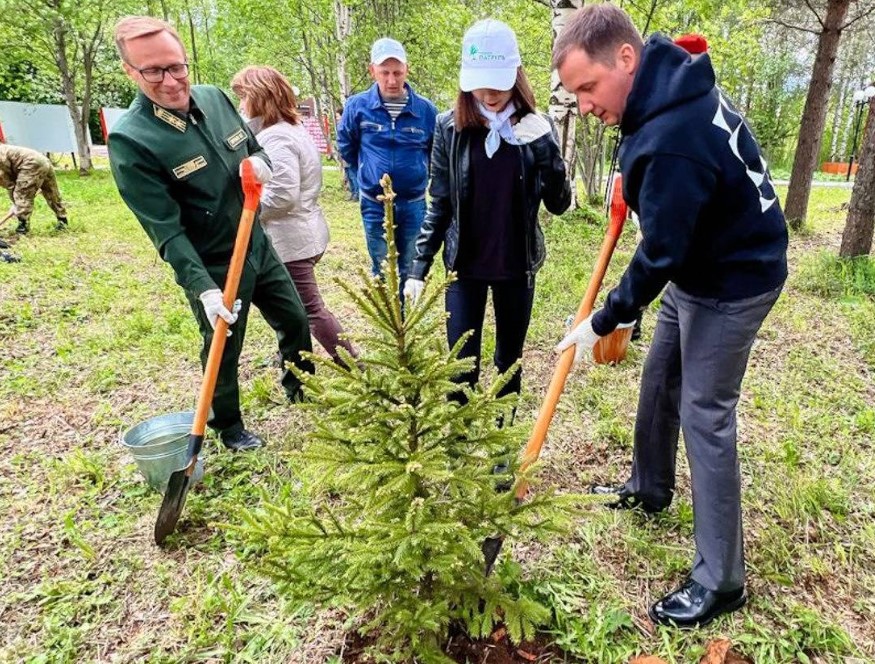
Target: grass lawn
{"points": [[97, 337]]}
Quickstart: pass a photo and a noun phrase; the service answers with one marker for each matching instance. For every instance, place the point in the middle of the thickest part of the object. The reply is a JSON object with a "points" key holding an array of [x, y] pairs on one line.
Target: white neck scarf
{"points": [[499, 127]]}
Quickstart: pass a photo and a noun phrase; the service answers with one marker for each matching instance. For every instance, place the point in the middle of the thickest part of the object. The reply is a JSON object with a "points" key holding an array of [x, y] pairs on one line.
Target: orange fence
{"points": [[837, 167]]}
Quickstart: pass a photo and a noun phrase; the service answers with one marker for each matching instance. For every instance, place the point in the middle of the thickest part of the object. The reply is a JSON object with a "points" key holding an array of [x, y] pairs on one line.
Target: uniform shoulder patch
{"points": [[235, 139], [190, 167]]}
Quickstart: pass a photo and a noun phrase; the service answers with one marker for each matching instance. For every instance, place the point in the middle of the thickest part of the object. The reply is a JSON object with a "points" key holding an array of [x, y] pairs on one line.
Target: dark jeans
{"points": [[266, 284], [409, 216], [512, 304], [352, 179], [323, 325], [692, 380]]}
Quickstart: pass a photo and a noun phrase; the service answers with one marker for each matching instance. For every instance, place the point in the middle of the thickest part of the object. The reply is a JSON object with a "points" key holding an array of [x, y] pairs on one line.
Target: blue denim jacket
{"points": [[373, 144]]}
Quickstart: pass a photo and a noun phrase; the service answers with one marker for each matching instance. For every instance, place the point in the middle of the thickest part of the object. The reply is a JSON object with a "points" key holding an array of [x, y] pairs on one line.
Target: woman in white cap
{"points": [[494, 160]]}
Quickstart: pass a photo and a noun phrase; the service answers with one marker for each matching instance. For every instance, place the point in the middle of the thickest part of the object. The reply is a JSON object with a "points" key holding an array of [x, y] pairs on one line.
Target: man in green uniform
{"points": [[176, 156], [24, 173]]}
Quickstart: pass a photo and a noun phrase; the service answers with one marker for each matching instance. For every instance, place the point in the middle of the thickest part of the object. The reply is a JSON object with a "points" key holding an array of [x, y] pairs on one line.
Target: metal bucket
{"points": [[160, 446]]}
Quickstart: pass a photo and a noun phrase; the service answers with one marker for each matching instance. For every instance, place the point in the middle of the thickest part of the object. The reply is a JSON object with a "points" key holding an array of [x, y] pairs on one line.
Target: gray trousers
{"points": [[692, 380]]}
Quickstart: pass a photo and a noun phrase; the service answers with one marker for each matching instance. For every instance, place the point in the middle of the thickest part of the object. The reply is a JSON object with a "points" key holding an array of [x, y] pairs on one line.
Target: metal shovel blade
{"points": [[171, 507], [491, 547], [177, 490]]}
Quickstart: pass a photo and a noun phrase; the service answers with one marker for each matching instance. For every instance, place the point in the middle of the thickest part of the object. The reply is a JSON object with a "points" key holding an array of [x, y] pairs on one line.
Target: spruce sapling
{"points": [[399, 483]]}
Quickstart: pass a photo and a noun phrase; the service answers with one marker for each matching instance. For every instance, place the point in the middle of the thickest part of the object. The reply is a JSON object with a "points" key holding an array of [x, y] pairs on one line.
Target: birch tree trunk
{"points": [[563, 105], [857, 236], [836, 120], [342, 30], [847, 129]]}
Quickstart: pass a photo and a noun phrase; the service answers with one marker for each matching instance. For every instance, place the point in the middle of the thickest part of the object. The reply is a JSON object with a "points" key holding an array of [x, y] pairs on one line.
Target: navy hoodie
{"points": [[693, 173]]}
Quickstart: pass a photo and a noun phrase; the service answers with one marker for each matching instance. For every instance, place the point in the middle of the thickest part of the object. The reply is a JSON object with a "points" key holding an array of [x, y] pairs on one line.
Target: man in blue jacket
{"points": [[715, 238], [388, 129]]}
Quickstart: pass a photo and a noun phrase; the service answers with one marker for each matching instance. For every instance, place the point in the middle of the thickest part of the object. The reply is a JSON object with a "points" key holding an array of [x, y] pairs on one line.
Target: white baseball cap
{"points": [[386, 48], [490, 57]]}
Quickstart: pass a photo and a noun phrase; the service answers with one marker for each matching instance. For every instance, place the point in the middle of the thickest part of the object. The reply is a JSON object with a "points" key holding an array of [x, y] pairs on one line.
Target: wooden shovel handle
{"points": [[563, 366], [252, 191]]}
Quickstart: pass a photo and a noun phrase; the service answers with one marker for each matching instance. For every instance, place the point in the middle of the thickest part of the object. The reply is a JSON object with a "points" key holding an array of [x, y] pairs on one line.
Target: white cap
{"points": [[386, 48], [490, 57]]}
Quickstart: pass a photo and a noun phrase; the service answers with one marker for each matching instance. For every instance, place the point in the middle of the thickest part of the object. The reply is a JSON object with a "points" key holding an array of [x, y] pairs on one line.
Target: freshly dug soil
{"points": [[497, 649]]}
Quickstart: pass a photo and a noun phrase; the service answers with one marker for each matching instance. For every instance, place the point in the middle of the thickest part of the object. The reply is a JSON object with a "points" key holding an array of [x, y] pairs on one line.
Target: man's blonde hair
{"points": [[134, 27]]}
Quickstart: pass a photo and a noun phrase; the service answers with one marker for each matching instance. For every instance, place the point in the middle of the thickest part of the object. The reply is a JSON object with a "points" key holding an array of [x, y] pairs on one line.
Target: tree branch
{"points": [[793, 27], [863, 14], [634, 4], [650, 14], [816, 15]]}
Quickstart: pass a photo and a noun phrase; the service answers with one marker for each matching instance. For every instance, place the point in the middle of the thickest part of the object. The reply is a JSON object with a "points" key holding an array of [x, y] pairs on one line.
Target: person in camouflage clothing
{"points": [[24, 172]]}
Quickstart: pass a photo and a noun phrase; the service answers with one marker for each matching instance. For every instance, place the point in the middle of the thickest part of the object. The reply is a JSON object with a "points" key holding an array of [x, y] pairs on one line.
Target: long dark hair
{"points": [[468, 115]]}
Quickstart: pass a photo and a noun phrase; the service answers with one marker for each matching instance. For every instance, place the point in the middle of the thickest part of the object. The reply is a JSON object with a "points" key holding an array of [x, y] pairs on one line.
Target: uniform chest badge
{"points": [[235, 139], [190, 167], [166, 116]]}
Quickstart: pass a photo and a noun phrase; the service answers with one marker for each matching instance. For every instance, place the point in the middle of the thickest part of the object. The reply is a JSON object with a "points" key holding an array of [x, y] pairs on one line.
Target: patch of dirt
{"points": [[497, 649]]}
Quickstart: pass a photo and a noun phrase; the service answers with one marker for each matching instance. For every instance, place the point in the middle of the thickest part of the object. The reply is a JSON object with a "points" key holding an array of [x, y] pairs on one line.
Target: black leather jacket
{"points": [[543, 179]]}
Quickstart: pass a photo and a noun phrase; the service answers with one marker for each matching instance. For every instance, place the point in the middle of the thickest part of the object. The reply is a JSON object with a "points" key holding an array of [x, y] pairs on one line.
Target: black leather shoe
{"points": [[626, 500], [693, 605], [23, 227], [297, 396], [242, 440]]}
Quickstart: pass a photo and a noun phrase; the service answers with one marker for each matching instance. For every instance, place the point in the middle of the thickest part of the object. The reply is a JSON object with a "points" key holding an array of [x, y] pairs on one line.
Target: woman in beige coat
{"points": [[290, 211]]}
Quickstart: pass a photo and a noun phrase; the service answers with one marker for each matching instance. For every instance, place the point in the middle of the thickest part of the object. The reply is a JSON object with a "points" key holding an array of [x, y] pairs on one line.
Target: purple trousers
{"points": [[323, 325]]}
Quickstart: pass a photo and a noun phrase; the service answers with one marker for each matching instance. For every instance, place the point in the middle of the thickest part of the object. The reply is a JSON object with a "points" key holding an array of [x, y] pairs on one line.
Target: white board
{"points": [[109, 116], [41, 127]]}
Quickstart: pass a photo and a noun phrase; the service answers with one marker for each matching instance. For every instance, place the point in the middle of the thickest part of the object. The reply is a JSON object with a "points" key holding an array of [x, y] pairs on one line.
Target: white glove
{"points": [[262, 171], [583, 336], [413, 289], [531, 128], [214, 306]]}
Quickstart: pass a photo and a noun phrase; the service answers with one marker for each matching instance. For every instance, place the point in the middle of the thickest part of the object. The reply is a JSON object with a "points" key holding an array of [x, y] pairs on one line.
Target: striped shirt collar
{"points": [[376, 101]]}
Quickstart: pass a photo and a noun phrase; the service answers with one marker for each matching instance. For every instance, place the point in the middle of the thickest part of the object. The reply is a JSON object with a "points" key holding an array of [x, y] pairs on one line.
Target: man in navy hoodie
{"points": [[715, 238]]}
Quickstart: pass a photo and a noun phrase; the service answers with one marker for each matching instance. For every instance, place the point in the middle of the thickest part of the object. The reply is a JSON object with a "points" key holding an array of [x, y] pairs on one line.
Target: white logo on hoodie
{"points": [[725, 117]]}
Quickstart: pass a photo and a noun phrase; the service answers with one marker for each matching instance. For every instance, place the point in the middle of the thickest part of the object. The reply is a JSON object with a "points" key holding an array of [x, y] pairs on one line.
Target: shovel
{"points": [[180, 480], [492, 545]]}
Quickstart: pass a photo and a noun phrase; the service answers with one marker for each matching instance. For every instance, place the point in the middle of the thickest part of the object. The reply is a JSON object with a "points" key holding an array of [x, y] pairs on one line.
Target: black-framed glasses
{"points": [[156, 74]]}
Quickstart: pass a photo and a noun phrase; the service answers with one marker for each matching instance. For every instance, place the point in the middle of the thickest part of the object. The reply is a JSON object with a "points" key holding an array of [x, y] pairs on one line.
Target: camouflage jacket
{"points": [[15, 161]]}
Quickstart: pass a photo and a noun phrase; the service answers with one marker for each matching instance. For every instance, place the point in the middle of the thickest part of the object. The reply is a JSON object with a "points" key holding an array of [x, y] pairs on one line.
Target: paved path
{"points": [[821, 183]]}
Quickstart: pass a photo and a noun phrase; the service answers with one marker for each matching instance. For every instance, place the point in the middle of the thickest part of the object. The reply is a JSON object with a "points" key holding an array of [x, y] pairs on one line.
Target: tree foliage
{"points": [[399, 490], [69, 41]]}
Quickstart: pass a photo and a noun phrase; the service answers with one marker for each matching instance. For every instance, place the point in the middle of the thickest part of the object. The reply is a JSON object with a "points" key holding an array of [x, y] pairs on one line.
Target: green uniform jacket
{"points": [[180, 177]]}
